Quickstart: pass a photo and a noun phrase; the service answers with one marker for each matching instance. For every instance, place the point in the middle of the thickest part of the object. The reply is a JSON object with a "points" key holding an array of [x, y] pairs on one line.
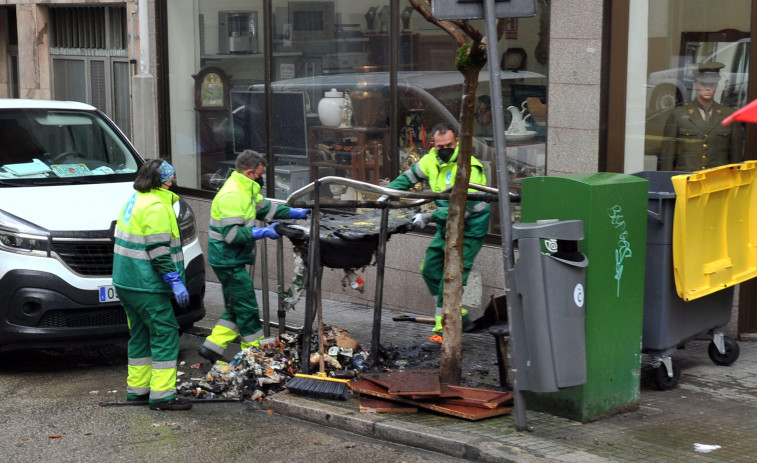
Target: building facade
{"points": [[198, 81]]}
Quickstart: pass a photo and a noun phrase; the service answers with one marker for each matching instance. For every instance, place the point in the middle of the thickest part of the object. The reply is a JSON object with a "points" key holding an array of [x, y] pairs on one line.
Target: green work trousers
{"points": [[153, 346], [241, 316], [432, 268]]}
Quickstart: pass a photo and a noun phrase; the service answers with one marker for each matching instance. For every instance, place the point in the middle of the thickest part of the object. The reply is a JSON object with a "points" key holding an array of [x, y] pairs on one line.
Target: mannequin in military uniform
{"points": [[695, 137]]}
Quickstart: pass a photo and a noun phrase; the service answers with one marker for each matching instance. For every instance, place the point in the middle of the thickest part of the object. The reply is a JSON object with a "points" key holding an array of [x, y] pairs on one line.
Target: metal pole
{"points": [[379, 295], [264, 287], [281, 312], [311, 294], [500, 154]]}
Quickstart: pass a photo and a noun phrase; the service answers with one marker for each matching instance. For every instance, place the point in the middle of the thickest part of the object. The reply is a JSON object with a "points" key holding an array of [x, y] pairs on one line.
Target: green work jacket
{"points": [[148, 243], [233, 212], [441, 176]]}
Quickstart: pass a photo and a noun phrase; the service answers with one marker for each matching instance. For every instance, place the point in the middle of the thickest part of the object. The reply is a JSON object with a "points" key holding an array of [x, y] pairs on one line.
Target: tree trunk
{"points": [[452, 348], [471, 58]]}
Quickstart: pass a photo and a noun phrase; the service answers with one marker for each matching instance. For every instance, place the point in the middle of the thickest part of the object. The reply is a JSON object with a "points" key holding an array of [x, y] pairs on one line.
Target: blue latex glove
{"points": [[178, 288], [298, 213], [265, 232]]}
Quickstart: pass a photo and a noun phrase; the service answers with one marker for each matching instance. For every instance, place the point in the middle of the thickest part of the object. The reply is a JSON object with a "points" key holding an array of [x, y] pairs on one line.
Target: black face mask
{"points": [[261, 182], [445, 154]]}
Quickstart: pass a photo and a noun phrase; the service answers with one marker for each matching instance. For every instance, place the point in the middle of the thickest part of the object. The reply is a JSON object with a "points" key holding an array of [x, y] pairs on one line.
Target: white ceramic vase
{"points": [[330, 108]]}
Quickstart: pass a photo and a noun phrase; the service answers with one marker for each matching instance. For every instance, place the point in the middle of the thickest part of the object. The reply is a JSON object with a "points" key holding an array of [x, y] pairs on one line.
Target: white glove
{"points": [[383, 198], [421, 220]]}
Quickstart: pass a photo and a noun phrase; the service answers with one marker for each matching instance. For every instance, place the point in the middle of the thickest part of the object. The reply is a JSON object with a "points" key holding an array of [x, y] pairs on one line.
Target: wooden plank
{"points": [[375, 405], [474, 397], [451, 390], [409, 382], [459, 411], [467, 403]]}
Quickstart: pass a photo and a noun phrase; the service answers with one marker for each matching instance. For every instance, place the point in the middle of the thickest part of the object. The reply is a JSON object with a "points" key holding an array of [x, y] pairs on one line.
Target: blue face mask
{"points": [[445, 154]]}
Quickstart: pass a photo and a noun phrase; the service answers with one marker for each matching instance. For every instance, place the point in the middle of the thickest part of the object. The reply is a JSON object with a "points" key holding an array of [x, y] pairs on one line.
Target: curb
{"points": [[383, 427]]}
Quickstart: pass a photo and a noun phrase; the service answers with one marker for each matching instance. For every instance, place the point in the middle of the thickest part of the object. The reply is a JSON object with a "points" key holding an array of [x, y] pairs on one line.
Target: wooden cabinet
{"points": [[364, 160]]}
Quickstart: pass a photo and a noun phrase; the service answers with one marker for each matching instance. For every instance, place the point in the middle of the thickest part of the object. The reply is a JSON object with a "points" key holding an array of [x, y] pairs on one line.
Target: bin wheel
{"points": [[664, 381], [728, 357]]}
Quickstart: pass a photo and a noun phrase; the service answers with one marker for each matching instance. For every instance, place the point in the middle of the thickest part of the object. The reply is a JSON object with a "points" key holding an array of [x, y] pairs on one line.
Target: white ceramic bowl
{"points": [[520, 137]]}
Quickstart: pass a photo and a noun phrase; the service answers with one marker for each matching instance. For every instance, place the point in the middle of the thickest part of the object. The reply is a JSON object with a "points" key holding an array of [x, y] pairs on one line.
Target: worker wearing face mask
{"points": [[231, 247], [439, 167]]}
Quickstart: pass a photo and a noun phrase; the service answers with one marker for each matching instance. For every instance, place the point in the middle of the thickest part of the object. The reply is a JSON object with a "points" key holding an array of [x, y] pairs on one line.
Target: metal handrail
{"points": [[417, 197]]}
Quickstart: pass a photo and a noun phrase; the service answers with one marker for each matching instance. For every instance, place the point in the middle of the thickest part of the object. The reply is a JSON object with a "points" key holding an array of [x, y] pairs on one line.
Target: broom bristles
{"points": [[317, 387]]}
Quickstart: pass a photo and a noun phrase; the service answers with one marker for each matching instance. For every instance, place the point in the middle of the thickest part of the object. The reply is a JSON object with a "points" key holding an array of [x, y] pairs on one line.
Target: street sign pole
{"points": [[490, 10], [500, 155]]}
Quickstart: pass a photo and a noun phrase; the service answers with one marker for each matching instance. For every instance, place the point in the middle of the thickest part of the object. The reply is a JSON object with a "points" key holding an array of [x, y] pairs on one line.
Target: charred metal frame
{"points": [[315, 271]]}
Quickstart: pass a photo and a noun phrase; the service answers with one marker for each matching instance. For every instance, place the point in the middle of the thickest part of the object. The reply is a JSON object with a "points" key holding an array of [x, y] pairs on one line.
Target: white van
{"points": [[66, 171]]}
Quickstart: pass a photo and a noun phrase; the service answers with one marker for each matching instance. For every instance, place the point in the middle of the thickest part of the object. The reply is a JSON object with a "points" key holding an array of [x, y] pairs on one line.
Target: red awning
{"points": [[746, 114]]}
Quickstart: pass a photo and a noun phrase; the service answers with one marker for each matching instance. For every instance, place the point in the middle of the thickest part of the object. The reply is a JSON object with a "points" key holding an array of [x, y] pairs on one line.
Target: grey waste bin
{"points": [[548, 314], [669, 321]]}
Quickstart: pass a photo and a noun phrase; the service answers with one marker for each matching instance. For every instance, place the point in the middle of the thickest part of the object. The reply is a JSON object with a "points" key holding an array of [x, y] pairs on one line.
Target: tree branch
{"points": [[424, 8]]}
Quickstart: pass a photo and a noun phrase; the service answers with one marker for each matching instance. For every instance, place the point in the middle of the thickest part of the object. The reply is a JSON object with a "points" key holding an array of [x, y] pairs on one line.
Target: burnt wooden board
{"points": [[375, 405], [474, 397], [409, 382], [459, 411]]}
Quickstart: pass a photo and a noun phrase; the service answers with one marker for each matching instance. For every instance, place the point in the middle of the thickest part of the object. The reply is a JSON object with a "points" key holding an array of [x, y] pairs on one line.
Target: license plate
{"points": [[108, 293]]}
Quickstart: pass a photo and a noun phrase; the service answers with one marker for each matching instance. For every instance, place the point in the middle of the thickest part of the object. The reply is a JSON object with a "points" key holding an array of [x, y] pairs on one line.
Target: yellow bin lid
{"points": [[714, 229]]}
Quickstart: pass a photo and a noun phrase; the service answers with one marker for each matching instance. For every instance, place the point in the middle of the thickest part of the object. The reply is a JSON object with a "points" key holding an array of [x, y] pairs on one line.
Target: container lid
{"points": [[334, 94], [714, 229]]}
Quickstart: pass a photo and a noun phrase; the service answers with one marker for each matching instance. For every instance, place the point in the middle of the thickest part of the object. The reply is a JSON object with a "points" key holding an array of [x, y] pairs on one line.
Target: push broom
{"points": [[318, 385]]}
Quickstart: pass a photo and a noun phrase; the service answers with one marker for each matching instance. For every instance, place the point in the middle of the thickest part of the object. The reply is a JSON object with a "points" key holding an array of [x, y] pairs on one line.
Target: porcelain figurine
{"points": [[518, 123]]}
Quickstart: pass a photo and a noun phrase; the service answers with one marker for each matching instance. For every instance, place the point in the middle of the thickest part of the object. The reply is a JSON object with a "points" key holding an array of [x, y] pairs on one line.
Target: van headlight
{"points": [[20, 236], [187, 224]]}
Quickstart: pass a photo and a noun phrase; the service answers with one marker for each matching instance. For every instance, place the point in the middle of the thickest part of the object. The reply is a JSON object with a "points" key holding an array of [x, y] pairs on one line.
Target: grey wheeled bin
{"points": [[669, 321]]}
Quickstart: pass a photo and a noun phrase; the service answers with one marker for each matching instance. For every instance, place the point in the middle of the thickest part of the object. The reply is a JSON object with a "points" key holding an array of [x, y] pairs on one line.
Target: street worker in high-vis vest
{"points": [[231, 247], [148, 266], [439, 167]]}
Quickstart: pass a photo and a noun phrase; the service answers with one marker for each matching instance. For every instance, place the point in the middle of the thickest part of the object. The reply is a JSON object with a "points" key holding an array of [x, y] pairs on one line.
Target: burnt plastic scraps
{"points": [[252, 374], [342, 351], [255, 373], [348, 240]]}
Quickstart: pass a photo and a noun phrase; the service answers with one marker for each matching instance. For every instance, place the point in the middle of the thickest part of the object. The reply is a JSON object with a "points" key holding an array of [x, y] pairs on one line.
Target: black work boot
{"points": [[434, 344], [177, 403], [209, 354]]}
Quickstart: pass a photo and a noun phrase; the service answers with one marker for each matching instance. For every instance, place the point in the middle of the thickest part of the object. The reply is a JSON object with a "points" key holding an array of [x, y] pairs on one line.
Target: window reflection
{"points": [[682, 126], [337, 54]]}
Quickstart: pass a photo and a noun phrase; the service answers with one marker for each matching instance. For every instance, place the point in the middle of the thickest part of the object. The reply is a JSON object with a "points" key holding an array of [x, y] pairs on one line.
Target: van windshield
{"points": [[53, 146]]}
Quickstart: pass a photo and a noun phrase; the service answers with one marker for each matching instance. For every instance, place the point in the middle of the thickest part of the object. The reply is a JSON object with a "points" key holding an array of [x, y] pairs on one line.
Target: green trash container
{"points": [[613, 208]]}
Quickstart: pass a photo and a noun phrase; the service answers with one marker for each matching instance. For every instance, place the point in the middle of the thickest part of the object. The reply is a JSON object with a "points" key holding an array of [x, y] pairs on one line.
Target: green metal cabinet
{"points": [[613, 208]]}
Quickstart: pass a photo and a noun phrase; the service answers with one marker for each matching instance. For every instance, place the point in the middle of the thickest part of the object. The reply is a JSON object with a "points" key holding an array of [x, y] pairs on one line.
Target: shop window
{"points": [[337, 54], [675, 123]]}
